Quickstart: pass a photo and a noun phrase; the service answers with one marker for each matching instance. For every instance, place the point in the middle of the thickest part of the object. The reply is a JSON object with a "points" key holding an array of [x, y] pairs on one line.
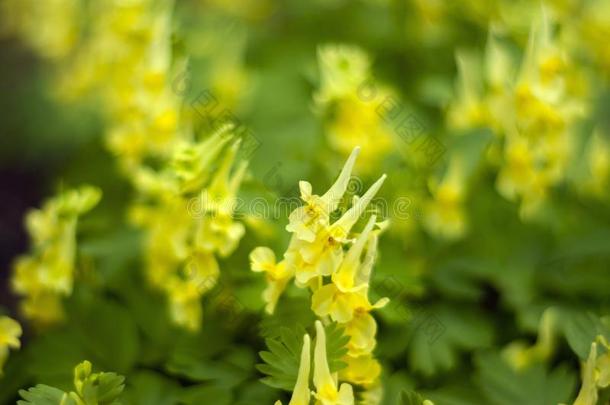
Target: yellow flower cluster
{"points": [[187, 212], [126, 59], [338, 278], [51, 27], [532, 109], [129, 54], [10, 332], [124, 56], [46, 275], [595, 373], [345, 98]]}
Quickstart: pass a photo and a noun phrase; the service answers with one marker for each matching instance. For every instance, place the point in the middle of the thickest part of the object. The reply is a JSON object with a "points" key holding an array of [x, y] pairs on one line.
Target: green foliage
{"points": [[440, 334], [43, 395], [502, 385], [581, 329], [281, 361], [411, 398], [91, 389]]}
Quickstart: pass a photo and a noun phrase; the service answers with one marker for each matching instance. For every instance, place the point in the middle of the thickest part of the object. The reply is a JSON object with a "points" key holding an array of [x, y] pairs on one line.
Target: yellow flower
{"points": [[470, 110], [317, 253], [519, 355], [10, 332], [362, 370], [326, 386], [185, 234], [588, 391], [362, 330], [217, 232], [351, 101], [342, 70], [444, 215], [595, 374], [301, 393], [51, 28], [46, 274], [323, 255], [262, 259], [341, 298], [306, 221]]}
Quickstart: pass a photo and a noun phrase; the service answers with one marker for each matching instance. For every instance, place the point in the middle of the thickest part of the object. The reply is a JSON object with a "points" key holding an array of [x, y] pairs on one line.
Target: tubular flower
{"points": [[324, 255], [336, 265], [46, 275], [188, 214], [595, 373], [301, 394], [306, 221], [10, 332], [326, 385], [342, 298], [350, 100]]}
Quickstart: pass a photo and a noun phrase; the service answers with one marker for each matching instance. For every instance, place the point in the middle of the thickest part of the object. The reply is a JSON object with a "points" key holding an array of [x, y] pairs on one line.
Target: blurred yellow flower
{"points": [[352, 117], [46, 275], [444, 215], [10, 332], [595, 373], [188, 212]]}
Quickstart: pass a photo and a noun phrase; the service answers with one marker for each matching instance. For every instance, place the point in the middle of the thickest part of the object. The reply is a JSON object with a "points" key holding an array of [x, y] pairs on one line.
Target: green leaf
{"points": [[581, 329], [336, 346], [43, 395], [147, 387], [91, 389], [411, 398], [502, 385], [204, 394], [281, 362], [109, 335], [440, 334]]}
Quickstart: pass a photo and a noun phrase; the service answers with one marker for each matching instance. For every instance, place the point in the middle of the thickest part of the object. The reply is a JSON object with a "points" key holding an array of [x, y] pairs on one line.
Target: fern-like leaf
{"points": [[281, 361], [44, 395]]}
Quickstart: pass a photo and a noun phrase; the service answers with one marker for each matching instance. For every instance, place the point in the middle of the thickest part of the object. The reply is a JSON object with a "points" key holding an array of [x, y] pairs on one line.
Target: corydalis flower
{"points": [[336, 265], [350, 100], [305, 221], [189, 216], [316, 247], [46, 274], [595, 373], [342, 298], [10, 332]]}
